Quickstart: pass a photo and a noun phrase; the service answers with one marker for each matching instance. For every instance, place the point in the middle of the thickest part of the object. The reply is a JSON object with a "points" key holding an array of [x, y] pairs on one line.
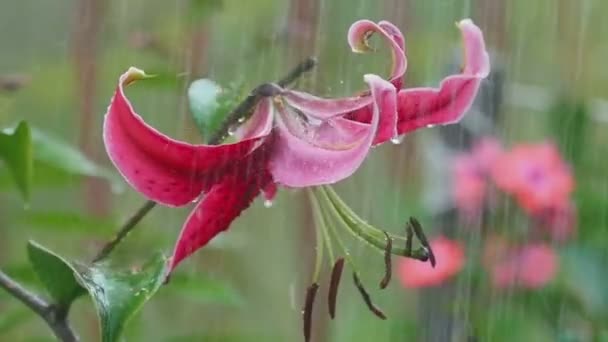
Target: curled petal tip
{"points": [[134, 74]]}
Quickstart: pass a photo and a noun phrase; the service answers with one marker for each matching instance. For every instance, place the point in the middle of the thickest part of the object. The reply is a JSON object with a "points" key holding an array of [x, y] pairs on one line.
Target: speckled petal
{"points": [[164, 170]]}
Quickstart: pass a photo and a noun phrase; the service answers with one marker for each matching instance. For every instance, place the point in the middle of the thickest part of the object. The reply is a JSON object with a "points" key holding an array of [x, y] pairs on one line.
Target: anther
{"points": [[311, 292], [423, 240], [367, 299], [336, 275], [388, 271]]}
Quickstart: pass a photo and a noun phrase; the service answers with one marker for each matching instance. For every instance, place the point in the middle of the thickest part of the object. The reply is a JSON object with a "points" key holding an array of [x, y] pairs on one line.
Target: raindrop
{"points": [[430, 125], [232, 130], [398, 139], [268, 203], [241, 119]]}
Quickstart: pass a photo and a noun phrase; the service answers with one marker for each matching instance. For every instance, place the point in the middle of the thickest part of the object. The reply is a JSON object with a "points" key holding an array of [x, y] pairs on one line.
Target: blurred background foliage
{"points": [[65, 57]]}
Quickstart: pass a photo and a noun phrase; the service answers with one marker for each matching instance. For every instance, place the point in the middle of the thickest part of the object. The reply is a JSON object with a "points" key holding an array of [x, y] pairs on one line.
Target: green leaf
{"points": [[67, 222], [204, 290], [210, 103], [55, 273], [56, 153], [119, 295], [16, 152]]}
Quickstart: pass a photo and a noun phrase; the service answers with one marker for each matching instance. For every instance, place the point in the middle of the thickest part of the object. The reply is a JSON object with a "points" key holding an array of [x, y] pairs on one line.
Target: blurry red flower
{"points": [[536, 175], [531, 266], [559, 222], [471, 172], [450, 260]]}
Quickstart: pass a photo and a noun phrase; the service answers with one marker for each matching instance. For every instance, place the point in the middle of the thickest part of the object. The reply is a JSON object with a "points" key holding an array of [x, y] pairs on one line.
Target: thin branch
{"points": [[244, 109], [124, 230], [30, 299], [54, 316]]}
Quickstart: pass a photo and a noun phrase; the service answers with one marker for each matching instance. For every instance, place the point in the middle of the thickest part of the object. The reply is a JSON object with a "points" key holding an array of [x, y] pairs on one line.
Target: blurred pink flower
{"points": [[559, 221], [450, 260], [531, 266], [536, 175], [470, 175]]}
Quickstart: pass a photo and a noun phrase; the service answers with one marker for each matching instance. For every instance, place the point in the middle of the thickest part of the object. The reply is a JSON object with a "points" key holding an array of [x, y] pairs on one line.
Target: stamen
{"points": [[388, 271], [423, 240], [409, 237], [361, 229], [367, 299], [336, 275], [311, 292]]}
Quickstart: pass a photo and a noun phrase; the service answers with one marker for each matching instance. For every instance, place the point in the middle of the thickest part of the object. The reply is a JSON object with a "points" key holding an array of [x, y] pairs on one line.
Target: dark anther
{"points": [[425, 243], [336, 275], [303, 67], [367, 299], [409, 237], [311, 292], [388, 270]]}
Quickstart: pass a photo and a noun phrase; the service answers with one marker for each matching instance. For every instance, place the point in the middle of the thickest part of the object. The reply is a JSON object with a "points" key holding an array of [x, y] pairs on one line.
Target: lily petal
{"points": [[324, 108], [358, 37], [260, 122], [301, 159], [420, 107], [215, 212], [164, 170]]}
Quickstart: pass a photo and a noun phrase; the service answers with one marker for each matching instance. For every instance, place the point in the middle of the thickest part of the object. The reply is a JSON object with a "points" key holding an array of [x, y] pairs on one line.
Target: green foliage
{"points": [[16, 152], [584, 276], [568, 120], [55, 273], [210, 103], [62, 156], [10, 319], [203, 289], [510, 323], [119, 295], [67, 222]]}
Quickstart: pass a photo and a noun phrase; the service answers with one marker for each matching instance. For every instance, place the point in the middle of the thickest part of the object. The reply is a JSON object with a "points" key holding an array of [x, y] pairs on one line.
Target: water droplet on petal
{"points": [[232, 130], [430, 125], [397, 139], [268, 203], [241, 119]]}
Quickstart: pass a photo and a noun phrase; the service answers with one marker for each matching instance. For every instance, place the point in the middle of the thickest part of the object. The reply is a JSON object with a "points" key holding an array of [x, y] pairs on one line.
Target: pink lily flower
{"points": [[293, 139]]}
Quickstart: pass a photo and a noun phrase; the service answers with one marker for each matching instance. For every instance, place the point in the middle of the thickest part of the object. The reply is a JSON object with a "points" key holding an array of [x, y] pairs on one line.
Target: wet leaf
{"points": [[55, 273], [16, 152], [210, 104], [57, 153], [119, 295]]}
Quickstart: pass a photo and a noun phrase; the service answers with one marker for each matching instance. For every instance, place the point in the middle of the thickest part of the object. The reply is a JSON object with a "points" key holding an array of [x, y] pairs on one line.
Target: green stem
{"points": [[323, 215], [320, 223]]}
